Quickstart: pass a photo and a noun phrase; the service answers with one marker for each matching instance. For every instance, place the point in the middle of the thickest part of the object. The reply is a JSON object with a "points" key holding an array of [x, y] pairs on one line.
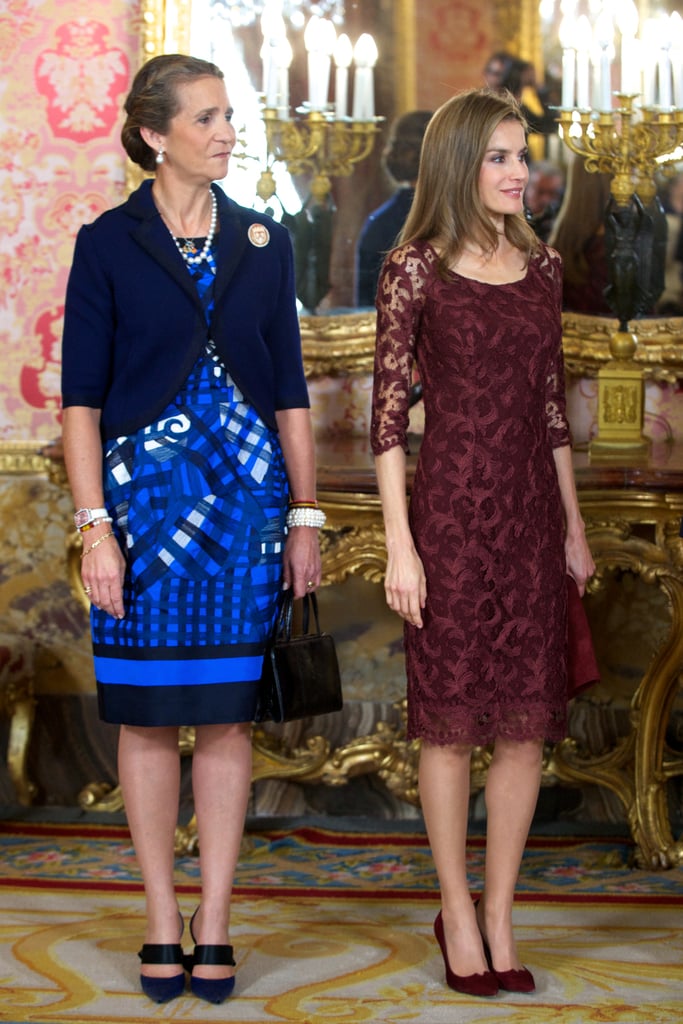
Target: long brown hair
{"points": [[153, 100], [581, 218], [447, 207]]}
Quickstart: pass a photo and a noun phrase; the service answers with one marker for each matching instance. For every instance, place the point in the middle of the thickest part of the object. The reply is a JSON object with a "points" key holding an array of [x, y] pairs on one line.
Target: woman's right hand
{"points": [[102, 571], [405, 585]]}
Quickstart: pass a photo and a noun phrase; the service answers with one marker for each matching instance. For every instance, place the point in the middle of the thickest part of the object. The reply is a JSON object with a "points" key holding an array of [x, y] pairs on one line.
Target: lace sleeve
{"points": [[400, 297], [556, 405]]}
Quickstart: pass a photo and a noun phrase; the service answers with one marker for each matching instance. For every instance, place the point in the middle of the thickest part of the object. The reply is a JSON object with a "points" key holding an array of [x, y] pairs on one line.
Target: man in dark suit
{"points": [[401, 160]]}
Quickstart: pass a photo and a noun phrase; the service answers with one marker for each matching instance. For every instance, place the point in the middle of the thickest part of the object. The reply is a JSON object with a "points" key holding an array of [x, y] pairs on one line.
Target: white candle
{"points": [[273, 28], [329, 41], [582, 64], [676, 23], [605, 80], [264, 54], [320, 37], [568, 77], [627, 22], [649, 83], [311, 41], [649, 56], [283, 59], [568, 43], [365, 58], [664, 69], [604, 40], [343, 55]]}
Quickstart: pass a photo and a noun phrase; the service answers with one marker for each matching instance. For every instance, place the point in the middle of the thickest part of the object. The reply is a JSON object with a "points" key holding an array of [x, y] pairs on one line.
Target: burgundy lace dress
{"points": [[485, 510]]}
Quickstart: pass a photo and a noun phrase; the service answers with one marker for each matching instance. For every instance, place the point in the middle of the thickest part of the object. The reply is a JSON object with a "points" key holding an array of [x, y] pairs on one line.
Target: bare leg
{"points": [[221, 781], [149, 775], [512, 786], [444, 778]]}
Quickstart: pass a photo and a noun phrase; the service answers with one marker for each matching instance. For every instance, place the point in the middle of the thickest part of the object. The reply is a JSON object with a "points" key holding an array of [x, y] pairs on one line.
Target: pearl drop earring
{"points": [[160, 156]]}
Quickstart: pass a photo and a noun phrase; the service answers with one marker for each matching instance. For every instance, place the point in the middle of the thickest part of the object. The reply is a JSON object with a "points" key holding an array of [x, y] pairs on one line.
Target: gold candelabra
{"points": [[627, 144], [616, 143], [316, 144]]}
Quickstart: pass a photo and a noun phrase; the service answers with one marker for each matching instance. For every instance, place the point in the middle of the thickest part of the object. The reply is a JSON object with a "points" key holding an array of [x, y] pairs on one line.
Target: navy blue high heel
{"points": [[162, 990], [212, 990]]}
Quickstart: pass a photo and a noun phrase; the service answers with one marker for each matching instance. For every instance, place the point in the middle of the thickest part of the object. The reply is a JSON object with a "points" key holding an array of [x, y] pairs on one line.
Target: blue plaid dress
{"points": [[199, 499]]}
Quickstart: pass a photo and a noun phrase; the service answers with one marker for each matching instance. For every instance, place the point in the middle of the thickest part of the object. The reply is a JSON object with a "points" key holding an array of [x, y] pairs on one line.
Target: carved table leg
{"points": [[16, 701], [17, 749], [639, 766], [654, 763]]}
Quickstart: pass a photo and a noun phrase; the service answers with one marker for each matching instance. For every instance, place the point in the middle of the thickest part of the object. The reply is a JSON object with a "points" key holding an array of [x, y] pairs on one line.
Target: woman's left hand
{"points": [[580, 562], [301, 563]]}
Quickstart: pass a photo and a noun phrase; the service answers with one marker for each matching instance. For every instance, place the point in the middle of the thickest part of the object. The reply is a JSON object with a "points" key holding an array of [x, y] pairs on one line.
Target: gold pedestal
{"points": [[620, 404]]}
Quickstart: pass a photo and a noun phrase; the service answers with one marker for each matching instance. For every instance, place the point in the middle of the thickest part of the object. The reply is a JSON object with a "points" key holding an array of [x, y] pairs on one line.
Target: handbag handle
{"points": [[310, 601], [283, 626]]}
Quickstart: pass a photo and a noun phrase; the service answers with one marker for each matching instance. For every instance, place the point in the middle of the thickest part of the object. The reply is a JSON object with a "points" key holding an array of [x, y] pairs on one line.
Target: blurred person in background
{"points": [[401, 161]]}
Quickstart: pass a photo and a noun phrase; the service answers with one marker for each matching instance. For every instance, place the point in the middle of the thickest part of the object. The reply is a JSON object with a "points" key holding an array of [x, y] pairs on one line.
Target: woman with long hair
{"points": [[477, 563], [578, 234]]}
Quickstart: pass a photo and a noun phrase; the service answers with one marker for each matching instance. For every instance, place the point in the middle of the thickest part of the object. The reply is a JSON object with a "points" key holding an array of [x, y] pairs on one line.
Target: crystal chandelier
{"points": [[297, 12]]}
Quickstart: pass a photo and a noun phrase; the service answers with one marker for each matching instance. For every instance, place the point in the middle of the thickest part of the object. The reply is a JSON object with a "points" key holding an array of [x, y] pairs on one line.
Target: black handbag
{"points": [[300, 675]]}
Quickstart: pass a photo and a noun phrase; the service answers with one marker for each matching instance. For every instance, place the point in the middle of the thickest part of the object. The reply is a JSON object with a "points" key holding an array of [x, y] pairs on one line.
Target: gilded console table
{"points": [[632, 514]]}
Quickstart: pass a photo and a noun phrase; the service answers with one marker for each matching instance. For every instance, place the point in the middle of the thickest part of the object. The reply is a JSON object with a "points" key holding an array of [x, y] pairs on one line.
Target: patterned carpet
{"points": [[335, 928]]}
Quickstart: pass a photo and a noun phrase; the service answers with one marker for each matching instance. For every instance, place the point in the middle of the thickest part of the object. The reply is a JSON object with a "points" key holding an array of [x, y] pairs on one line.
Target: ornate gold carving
{"points": [[638, 767], [313, 144], [17, 701], [621, 408], [74, 548], [386, 753], [659, 351], [26, 458], [354, 551], [23, 457], [625, 143], [101, 796], [338, 345], [621, 404], [345, 344]]}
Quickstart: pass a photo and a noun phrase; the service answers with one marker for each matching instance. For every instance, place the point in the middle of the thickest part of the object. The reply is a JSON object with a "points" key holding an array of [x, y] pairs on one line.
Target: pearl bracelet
{"points": [[298, 516]]}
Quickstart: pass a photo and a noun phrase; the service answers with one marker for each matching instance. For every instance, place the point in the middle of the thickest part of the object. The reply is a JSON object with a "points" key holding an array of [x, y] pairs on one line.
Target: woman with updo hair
{"points": [[189, 450]]}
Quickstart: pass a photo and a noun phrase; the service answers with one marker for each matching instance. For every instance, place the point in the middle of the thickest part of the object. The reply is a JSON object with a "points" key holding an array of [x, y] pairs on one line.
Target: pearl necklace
{"points": [[187, 253]]}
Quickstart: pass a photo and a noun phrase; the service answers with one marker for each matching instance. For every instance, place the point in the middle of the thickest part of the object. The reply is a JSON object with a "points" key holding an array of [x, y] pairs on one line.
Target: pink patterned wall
{"points": [[65, 69], [454, 41]]}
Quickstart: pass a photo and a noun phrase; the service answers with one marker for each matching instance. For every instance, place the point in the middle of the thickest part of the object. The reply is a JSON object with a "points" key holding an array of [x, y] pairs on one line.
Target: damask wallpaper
{"points": [[65, 66]]}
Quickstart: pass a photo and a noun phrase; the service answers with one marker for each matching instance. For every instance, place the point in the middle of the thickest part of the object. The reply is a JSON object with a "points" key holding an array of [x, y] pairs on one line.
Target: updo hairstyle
{"points": [[153, 100]]}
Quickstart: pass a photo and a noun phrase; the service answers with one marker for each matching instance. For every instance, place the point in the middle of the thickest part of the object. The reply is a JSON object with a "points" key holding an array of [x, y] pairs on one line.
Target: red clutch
{"points": [[582, 666]]}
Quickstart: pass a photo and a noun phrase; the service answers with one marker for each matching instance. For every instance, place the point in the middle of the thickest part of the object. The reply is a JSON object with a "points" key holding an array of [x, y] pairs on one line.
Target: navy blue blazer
{"points": [[134, 325]]}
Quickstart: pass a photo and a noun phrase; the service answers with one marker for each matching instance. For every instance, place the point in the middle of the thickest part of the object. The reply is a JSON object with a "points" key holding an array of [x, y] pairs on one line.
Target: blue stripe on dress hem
{"points": [[181, 672]]}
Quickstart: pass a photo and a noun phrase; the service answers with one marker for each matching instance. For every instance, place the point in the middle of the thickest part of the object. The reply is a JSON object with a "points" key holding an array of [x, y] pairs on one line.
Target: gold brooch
{"points": [[258, 235]]}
